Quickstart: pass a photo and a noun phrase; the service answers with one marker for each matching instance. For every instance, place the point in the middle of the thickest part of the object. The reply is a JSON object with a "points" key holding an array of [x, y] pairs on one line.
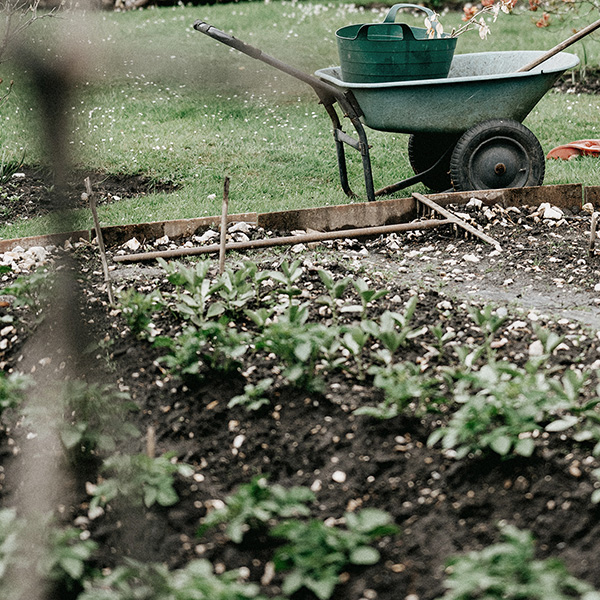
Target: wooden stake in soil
{"points": [[593, 233], [90, 196], [223, 239], [151, 442]]}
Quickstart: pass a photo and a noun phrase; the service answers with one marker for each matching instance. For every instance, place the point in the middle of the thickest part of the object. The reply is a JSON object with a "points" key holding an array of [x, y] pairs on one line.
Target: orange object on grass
{"points": [[575, 149]]}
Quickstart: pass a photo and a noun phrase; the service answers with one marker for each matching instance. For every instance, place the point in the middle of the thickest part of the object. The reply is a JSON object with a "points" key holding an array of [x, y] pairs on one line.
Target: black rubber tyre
{"points": [[424, 150], [497, 154]]}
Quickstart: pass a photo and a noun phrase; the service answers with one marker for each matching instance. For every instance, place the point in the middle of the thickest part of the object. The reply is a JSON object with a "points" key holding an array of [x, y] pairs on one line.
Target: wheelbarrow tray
{"points": [[479, 87]]}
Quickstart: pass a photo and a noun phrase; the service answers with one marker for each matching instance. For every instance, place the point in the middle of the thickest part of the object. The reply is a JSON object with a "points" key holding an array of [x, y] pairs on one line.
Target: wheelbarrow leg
{"points": [[361, 145]]}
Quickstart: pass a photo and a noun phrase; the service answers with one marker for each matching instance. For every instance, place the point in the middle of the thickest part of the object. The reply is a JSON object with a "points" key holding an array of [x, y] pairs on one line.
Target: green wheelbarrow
{"points": [[466, 130]]}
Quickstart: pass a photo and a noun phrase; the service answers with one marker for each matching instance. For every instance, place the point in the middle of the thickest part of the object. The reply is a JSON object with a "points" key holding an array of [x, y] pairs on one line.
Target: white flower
{"points": [[433, 26], [483, 28]]}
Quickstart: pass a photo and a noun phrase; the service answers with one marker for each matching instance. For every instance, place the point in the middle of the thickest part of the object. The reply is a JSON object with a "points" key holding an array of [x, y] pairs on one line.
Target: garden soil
{"points": [[543, 277]]}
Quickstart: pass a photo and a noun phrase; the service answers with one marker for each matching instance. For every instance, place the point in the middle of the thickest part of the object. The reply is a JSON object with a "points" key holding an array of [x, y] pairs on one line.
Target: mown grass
{"points": [[159, 99]]}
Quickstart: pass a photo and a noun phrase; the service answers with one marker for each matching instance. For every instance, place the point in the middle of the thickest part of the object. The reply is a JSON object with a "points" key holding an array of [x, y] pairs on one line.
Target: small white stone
{"points": [[471, 258], [207, 236], [536, 348], [475, 203], [211, 197], [588, 207], [339, 476], [162, 241], [552, 212], [241, 226], [316, 485], [238, 441], [132, 244]]}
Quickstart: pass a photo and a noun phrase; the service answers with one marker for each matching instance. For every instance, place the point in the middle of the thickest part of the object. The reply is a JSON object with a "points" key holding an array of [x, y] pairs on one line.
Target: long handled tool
{"points": [[560, 47]]}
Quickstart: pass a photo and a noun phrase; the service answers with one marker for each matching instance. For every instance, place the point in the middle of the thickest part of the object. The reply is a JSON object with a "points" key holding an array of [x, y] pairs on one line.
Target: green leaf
{"points": [[365, 555], [70, 437], [323, 588], [73, 567], [562, 424], [216, 309], [435, 437], [525, 446], [501, 445], [303, 351]]}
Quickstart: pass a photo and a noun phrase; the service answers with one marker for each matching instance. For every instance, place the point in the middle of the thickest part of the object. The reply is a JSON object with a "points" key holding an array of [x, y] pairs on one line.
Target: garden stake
{"points": [[90, 196], [593, 233], [151, 442], [223, 244]]}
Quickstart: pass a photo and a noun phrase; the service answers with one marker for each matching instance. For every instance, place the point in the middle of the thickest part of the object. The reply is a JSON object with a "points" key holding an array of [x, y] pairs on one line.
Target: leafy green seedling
{"points": [[213, 344], [402, 384], [255, 504], [60, 555], [442, 336], [335, 289], [31, 290], [300, 345], [95, 417], [138, 309], [151, 581], [253, 397], [193, 303], [354, 340], [140, 479], [316, 554], [288, 277], [13, 388], [501, 404], [393, 330], [509, 571], [365, 295]]}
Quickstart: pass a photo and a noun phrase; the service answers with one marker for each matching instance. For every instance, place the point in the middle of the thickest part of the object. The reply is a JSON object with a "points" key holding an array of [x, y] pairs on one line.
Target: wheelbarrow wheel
{"points": [[424, 150], [497, 154]]}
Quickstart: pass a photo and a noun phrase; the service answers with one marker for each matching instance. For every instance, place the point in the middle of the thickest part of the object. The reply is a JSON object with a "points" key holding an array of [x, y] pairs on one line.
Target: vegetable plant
{"points": [[288, 278], [365, 295], [214, 344], [253, 397], [31, 290], [194, 289], [300, 345], [12, 390], [255, 504], [138, 309], [196, 581], [335, 289], [140, 479], [501, 404], [402, 384], [57, 555], [509, 571], [315, 554], [95, 417], [393, 330]]}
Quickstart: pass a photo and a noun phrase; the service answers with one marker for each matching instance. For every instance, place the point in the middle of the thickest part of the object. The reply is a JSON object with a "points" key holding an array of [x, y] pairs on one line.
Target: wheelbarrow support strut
{"points": [[328, 96]]}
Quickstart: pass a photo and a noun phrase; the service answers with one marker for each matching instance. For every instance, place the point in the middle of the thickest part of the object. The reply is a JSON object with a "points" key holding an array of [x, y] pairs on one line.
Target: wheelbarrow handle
{"points": [[227, 39], [327, 93]]}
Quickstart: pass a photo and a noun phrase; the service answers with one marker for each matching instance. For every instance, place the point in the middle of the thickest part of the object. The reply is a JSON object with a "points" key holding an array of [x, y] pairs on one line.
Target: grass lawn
{"points": [[157, 98]]}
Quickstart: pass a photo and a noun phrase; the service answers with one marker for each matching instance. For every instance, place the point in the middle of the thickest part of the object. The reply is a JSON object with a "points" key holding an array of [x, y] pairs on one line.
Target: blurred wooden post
{"points": [[223, 239], [92, 201]]}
